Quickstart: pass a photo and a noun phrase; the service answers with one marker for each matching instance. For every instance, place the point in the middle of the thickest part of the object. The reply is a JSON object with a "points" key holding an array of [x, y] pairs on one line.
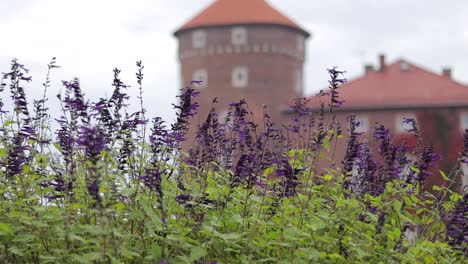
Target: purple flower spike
{"points": [[93, 141]]}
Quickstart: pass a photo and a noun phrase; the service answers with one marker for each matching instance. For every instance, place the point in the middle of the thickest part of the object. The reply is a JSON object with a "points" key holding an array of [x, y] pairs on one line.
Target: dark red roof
{"points": [[237, 12], [400, 85]]}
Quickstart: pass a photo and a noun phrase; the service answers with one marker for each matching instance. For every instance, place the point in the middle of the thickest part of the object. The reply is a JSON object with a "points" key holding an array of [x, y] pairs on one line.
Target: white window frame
{"points": [[199, 39], [222, 116], [402, 127], [464, 179], [200, 75], [240, 71], [406, 170], [363, 123], [463, 121], [239, 36]]}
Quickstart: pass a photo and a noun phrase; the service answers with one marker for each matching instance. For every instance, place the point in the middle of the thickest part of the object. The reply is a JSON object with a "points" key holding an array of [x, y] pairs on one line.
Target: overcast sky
{"points": [[91, 37]]}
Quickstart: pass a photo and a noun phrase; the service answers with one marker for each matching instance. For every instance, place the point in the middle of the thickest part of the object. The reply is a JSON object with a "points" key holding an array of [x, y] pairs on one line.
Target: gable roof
{"points": [[401, 85], [238, 12]]}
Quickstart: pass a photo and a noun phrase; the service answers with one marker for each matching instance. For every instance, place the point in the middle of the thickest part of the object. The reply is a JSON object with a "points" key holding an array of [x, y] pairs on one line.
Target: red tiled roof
{"points": [[395, 88], [235, 12]]}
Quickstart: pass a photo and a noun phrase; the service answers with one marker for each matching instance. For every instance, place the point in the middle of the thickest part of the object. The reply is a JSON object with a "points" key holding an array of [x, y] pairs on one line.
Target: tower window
{"points": [[199, 39], [240, 77], [300, 42], [201, 75], [239, 36], [299, 82]]}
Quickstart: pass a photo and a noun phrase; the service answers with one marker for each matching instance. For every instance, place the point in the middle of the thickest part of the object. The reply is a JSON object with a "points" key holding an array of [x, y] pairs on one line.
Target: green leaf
{"points": [[156, 251], [26, 238], [446, 178], [76, 206], [57, 146], [8, 122], [5, 229], [196, 253], [119, 206], [455, 197], [3, 152], [230, 236]]}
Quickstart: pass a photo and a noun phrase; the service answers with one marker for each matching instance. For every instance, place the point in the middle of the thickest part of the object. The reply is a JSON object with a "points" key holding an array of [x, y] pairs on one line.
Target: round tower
{"points": [[243, 49]]}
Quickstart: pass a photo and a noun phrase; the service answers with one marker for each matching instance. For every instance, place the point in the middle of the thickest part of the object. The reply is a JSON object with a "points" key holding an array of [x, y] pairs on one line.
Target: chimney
{"points": [[368, 68], [382, 64], [447, 72]]}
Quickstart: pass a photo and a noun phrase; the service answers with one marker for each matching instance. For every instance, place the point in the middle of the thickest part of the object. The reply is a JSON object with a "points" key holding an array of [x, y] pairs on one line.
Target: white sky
{"points": [[91, 37]]}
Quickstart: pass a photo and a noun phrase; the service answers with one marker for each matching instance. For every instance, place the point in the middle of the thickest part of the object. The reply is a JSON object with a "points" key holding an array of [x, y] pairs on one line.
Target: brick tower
{"points": [[243, 49]]}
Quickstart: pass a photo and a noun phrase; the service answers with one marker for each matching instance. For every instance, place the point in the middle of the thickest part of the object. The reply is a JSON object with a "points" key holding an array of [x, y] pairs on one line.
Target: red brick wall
{"points": [[272, 71], [440, 127]]}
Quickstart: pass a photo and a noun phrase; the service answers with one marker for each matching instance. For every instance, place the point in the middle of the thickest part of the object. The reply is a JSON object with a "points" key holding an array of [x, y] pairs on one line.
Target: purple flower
{"points": [[92, 140], [206, 148], [66, 139], [464, 154], [244, 170], [289, 176], [159, 137], [321, 133], [183, 198], [16, 157], [187, 108], [457, 227], [353, 146], [152, 179], [118, 97], [412, 122], [334, 82], [427, 161], [302, 115], [74, 100]]}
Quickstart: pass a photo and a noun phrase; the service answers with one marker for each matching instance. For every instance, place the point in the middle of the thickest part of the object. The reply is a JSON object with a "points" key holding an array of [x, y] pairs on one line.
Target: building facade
{"points": [[243, 49], [388, 93], [246, 49]]}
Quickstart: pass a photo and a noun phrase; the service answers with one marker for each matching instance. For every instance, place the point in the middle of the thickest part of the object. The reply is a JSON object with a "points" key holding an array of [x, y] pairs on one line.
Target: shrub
{"points": [[106, 188]]}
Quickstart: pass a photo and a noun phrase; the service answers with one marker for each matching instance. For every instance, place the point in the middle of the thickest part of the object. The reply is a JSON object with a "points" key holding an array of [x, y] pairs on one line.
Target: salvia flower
{"points": [[118, 98], [426, 162], [457, 227], [74, 100], [159, 137], [206, 147], [16, 76], [186, 109], [244, 170], [412, 123], [66, 139], [352, 148], [92, 140], [289, 177], [334, 82], [321, 132], [102, 112], [17, 156], [152, 178], [366, 181], [464, 154]]}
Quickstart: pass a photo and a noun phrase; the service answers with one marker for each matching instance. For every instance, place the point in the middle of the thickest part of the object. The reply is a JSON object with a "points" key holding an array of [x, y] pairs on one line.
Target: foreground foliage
{"points": [[105, 189]]}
